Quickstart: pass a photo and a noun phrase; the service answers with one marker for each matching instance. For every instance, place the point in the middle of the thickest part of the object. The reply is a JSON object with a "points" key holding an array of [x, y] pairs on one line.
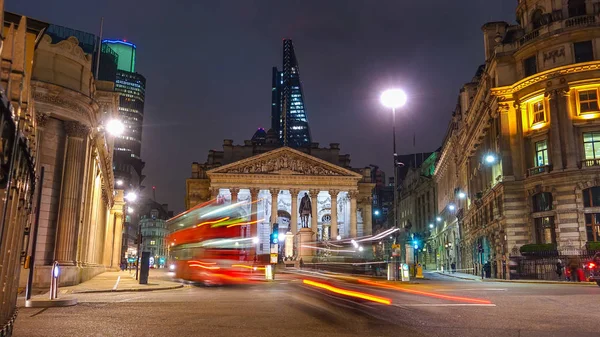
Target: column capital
{"points": [[41, 119], [274, 191], [234, 190], [334, 192], [76, 129], [254, 191], [353, 194], [294, 192], [313, 192]]}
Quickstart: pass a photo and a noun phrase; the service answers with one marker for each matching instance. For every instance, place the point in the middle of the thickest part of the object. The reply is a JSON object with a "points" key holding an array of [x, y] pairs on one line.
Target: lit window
{"points": [[538, 112], [591, 145], [541, 153], [152, 242], [588, 101]]}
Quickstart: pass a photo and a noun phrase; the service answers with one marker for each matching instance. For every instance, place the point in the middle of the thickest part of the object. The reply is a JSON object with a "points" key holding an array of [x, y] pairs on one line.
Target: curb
{"points": [[126, 290], [460, 277], [542, 282]]}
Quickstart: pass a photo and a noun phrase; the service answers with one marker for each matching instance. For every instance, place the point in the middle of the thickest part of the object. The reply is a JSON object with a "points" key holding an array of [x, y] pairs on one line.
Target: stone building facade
{"points": [[523, 143], [81, 215], [266, 171], [18, 139], [153, 227]]}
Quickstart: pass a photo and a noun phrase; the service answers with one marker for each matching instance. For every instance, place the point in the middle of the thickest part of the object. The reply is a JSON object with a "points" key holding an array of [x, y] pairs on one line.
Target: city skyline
{"points": [[342, 87]]}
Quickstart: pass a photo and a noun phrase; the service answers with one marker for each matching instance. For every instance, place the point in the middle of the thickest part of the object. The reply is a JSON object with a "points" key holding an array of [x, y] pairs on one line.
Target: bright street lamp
{"points": [[131, 197], [490, 158], [119, 182], [438, 219], [130, 210], [431, 225], [451, 207], [461, 195], [115, 127], [393, 98]]}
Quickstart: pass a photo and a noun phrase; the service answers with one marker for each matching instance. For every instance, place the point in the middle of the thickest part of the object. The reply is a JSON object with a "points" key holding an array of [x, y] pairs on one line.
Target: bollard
{"points": [[54, 280]]}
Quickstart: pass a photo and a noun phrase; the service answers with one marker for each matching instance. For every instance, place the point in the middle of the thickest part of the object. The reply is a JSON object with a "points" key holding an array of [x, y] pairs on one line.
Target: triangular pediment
{"points": [[284, 161]]}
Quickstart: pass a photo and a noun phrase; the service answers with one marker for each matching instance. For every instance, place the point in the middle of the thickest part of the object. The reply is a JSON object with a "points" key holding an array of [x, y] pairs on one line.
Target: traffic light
{"points": [[275, 234], [416, 244]]}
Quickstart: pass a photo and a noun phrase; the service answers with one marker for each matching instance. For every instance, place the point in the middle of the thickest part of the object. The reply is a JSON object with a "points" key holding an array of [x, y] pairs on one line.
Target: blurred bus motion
{"points": [[210, 243]]}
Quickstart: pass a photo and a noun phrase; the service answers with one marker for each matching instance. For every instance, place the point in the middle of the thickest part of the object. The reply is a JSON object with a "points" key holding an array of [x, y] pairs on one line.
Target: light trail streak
{"points": [[213, 222], [350, 293], [425, 293], [246, 223]]}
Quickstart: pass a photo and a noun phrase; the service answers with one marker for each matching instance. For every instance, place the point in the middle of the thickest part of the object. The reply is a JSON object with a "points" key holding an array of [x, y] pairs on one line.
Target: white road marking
{"points": [[129, 299], [443, 305], [117, 283]]}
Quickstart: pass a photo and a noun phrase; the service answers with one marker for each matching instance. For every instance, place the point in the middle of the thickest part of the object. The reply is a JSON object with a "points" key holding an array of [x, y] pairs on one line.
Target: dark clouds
{"points": [[208, 67]]}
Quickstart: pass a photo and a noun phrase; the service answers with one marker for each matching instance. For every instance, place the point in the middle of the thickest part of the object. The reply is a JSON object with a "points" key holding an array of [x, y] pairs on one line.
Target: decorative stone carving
{"points": [[76, 129], [285, 162], [56, 100], [41, 119]]}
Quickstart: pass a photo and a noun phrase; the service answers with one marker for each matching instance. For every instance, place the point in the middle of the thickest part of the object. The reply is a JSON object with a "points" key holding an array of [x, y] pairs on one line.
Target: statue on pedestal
{"points": [[305, 210]]}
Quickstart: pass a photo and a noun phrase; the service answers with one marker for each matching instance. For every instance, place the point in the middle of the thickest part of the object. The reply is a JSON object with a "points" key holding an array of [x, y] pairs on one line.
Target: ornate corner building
{"points": [[523, 147]]}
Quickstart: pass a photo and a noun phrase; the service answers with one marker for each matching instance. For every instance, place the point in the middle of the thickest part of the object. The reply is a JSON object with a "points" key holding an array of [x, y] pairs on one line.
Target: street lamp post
{"points": [[394, 98]]}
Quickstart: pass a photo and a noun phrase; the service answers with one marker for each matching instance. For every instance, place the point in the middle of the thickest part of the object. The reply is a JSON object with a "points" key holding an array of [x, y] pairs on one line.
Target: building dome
{"points": [[272, 137], [260, 137]]}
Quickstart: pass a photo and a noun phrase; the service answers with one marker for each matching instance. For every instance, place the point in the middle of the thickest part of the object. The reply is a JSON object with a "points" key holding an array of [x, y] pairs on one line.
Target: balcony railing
{"points": [[546, 30], [583, 20], [590, 162], [538, 170]]}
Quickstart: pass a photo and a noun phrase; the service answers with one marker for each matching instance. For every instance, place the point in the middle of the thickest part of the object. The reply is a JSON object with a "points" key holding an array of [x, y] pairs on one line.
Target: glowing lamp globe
{"points": [[115, 127], [393, 98]]}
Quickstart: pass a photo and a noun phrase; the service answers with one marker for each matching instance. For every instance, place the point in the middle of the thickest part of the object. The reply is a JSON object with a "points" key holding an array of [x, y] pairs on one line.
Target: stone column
{"points": [[254, 219], [556, 159], [294, 212], [333, 232], [109, 239], [313, 216], [214, 192], [274, 208], [368, 216], [68, 216], [353, 226], [568, 133], [116, 256], [234, 194]]}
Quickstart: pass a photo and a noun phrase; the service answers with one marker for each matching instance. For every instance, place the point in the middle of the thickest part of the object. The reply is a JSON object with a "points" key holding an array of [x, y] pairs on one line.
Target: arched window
{"points": [[576, 8], [542, 202], [537, 18]]}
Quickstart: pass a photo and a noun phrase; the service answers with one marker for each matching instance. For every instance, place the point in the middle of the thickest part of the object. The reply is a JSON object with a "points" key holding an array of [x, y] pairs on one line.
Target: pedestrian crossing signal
{"points": [[275, 234]]}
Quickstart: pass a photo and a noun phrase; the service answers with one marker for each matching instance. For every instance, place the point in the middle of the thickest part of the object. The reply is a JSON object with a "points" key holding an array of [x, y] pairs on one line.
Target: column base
{"points": [[305, 238]]}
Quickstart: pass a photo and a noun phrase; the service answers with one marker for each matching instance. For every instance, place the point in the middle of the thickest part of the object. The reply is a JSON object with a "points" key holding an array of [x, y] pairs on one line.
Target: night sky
{"points": [[208, 70]]}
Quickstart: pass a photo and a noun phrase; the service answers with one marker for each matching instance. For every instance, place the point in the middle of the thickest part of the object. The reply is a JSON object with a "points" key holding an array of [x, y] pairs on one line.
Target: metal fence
{"points": [[17, 180], [544, 265]]}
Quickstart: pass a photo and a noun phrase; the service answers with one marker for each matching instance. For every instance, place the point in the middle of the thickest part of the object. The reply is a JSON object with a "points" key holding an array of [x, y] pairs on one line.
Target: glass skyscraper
{"points": [[132, 88], [288, 111]]}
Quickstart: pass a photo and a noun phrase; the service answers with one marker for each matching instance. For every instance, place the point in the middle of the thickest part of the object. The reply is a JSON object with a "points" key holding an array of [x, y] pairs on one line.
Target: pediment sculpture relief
{"points": [[284, 162]]}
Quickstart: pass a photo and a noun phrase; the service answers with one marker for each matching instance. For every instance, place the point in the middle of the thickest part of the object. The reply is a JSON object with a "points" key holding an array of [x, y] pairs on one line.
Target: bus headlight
{"points": [[171, 267]]}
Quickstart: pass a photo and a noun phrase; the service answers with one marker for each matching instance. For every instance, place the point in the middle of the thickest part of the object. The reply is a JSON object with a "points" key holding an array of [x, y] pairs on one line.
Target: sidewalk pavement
{"points": [[118, 281], [471, 277]]}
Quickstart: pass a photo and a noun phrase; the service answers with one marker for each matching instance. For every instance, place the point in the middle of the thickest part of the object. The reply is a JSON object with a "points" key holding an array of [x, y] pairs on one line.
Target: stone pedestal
{"points": [[305, 238]]}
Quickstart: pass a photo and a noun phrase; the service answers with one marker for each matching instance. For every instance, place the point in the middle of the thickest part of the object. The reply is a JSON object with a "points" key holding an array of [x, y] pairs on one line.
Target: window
{"points": [[541, 153], [592, 226], [152, 242], [542, 202], [588, 101], [591, 145], [544, 230], [538, 113], [591, 197], [530, 66], [576, 8], [584, 51]]}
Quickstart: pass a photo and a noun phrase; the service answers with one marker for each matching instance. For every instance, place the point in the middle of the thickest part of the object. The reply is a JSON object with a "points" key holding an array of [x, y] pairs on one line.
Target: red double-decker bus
{"points": [[208, 244]]}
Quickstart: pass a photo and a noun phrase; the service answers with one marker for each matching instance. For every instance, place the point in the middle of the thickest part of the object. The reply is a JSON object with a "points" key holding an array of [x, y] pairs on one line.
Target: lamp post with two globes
{"points": [[394, 99]]}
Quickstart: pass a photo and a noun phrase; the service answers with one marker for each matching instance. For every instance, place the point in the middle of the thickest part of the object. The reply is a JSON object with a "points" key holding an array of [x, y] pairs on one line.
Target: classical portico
{"points": [[273, 185]]}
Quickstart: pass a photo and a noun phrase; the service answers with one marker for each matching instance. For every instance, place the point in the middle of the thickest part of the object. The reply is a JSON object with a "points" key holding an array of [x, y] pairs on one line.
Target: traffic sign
{"points": [[273, 258]]}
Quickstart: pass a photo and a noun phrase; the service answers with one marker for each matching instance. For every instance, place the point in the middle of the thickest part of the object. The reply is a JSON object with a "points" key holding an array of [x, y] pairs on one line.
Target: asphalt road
{"points": [[440, 306]]}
